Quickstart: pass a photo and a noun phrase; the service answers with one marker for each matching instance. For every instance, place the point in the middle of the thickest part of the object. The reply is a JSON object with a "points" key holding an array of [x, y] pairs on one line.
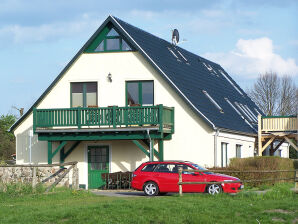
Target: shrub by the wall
{"points": [[261, 163]]}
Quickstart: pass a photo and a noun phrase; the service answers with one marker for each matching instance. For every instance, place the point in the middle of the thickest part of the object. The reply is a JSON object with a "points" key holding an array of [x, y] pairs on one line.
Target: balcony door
{"points": [[98, 163], [139, 93], [83, 94]]}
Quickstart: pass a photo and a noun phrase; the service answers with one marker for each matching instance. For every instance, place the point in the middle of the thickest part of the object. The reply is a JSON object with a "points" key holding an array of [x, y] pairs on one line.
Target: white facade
{"points": [[194, 140]]}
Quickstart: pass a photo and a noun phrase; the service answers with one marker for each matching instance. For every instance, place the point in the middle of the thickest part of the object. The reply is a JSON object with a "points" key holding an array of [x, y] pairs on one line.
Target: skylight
{"points": [[255, 117], [241, 109], [208, 66], [224, 75], [182, 55], [257, 111], [238, 112], [248, 113], [213, 101], [173, 53]]}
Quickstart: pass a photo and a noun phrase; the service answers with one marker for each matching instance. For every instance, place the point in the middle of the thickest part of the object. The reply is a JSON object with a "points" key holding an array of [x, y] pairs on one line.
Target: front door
{"points": [[98, 163]]}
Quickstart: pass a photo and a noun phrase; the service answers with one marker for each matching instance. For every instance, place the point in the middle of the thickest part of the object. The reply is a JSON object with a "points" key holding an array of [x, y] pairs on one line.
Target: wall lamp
{"points": [[109, 77]]}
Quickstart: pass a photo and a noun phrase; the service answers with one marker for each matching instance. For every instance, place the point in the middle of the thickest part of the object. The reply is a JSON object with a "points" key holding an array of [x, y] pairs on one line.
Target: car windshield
{"points": [[200, 168]]}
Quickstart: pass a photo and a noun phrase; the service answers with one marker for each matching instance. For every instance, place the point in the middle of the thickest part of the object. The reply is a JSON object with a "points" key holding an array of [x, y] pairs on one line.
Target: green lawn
{"points": [[66, 206]]}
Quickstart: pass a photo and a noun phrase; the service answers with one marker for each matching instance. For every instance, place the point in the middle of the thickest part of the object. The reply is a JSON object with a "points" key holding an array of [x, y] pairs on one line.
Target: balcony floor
{"points": [[100, 129]]}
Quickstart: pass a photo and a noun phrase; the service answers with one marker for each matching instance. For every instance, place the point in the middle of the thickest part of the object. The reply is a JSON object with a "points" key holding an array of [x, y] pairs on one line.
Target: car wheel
{"points": [[214, 189], [151, 189]]}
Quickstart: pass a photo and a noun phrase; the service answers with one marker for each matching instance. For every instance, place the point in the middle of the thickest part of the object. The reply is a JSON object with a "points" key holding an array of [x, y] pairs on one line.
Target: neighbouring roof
{"points": [[203, 84]]}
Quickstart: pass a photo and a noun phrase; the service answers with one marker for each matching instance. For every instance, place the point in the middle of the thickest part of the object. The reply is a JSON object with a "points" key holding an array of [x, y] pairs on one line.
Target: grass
{"points": [[67, 206]]}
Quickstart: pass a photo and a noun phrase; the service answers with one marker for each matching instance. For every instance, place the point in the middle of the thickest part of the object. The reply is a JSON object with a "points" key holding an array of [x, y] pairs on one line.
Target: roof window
{"points": [[248, 113], [213, 101], [238, 112], [182, 55], [244, 112], [173, 53], [251, 113], [257, 111], [224, 75]]}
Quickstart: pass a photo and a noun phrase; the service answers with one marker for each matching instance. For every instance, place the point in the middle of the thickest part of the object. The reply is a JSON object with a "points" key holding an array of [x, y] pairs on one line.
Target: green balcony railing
{"points": [[114, 117]]}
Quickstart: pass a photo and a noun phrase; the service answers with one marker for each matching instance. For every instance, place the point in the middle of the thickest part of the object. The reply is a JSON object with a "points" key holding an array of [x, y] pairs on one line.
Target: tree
{"points": [[7, 140], [274, 95]]}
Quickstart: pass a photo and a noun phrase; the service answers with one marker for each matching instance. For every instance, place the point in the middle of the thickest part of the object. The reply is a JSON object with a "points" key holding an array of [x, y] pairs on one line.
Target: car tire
{"points": [[214, 189], [151, 189]]}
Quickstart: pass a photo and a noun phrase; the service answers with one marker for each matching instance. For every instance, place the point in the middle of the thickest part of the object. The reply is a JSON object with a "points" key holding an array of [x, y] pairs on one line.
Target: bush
{"points": [[261, 163], [18, 189], [296, 164]]}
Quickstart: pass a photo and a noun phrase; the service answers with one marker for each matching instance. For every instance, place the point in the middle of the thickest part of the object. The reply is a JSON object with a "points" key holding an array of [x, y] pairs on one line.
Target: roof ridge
{"points": [[144, 31]]}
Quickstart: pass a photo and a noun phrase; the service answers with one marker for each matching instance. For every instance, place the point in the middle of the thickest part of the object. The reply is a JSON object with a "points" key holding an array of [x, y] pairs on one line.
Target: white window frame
{"points": [[224, 156]]}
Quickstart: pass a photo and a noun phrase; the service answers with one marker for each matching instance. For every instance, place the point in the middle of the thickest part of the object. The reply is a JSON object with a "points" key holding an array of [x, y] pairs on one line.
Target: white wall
{"points": [[193, 139], [247, 145]]}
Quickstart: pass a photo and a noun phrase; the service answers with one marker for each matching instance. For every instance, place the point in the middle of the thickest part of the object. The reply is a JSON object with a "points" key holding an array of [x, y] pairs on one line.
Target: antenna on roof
{"points": [[175, 37]]}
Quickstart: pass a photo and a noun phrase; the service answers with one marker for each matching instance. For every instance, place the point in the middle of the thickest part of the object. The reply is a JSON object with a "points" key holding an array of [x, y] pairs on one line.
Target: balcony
{"points": [[279, 123], [276, 129], [62, 121]]}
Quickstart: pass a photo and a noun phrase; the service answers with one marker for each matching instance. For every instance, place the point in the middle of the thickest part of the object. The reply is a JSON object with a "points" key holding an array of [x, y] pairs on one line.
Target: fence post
{"points": [[296, 181], [180, 180], [75, 180], [34, 179]]}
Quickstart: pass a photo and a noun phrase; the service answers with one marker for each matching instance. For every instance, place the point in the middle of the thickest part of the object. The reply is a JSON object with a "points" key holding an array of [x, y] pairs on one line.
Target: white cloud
{"points": [[22, 34], [253, 57]]}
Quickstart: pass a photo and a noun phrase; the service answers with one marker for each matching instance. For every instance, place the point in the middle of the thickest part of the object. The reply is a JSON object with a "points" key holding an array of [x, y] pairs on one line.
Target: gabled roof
{"points": [[200, 82]]}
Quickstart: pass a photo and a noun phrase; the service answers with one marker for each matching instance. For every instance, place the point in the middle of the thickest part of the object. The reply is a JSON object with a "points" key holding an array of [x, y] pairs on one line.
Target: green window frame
{"points": [[103, 38], [140, 91], [84, 92]]}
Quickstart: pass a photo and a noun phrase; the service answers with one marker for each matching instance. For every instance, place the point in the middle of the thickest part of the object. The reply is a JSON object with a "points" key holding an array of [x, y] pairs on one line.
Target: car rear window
{"points": [[149, 167]]}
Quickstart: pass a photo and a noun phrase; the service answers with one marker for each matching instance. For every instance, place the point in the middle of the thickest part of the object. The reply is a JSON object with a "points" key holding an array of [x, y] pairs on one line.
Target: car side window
{"points": [[186, 168], [149, 168], [166, 168]]}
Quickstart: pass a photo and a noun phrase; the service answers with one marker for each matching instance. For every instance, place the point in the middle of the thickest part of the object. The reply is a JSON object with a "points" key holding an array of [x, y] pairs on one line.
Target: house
{"points": [[128, 96]]}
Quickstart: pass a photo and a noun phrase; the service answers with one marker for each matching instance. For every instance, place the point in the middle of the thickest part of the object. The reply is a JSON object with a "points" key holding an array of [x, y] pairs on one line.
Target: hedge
{"points": [[261, 163]]}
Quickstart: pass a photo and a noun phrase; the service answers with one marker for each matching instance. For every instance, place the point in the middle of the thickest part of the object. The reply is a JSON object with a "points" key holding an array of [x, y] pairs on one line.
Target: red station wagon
{"points": [[161, 177]]}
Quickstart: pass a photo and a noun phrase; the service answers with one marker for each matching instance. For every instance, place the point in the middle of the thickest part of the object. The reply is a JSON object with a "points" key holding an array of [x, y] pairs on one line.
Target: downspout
{"points": [[215, 146], [150, 149]]}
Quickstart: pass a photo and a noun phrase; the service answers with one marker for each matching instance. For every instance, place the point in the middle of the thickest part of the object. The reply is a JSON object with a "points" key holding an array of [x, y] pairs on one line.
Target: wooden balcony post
{"points": [[260, 135]]}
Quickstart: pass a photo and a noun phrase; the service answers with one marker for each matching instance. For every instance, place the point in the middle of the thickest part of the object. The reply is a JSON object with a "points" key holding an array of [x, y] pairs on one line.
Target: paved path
{"points": [[122, 193]]}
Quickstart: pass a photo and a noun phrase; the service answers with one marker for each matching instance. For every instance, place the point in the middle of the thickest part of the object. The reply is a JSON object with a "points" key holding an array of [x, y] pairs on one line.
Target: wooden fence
{"points": [[295, 177]]}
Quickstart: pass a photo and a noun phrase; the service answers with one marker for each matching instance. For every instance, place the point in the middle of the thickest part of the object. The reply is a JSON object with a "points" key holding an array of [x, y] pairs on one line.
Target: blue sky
{"points": [[39, 37]]}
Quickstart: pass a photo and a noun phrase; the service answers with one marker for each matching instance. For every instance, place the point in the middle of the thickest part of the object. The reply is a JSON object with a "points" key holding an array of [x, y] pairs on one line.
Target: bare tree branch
{"points": [[274, 95]]}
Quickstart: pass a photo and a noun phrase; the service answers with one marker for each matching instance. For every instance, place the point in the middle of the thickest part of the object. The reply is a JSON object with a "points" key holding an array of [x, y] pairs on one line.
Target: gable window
{"points": [[238, 151], [139, 93], [224, 154], [83, 94], [112, 41]]}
